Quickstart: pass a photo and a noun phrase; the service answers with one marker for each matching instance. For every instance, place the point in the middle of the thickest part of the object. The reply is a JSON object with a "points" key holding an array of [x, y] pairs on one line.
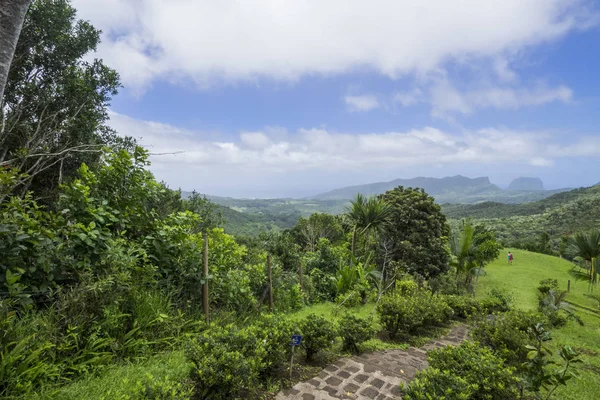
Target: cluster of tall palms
{"points": [[586, 248]]}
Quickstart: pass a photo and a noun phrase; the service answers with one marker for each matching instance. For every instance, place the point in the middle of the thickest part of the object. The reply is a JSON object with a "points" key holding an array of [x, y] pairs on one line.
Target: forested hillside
{"points": [[529, 224]]}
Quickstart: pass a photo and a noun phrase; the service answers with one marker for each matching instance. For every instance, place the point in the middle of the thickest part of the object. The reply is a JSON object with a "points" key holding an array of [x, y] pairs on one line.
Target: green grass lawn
{"points": [[522, 279]]}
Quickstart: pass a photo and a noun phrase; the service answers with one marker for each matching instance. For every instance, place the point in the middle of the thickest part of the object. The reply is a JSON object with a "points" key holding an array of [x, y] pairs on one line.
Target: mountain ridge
{"points": [[451, 189]]}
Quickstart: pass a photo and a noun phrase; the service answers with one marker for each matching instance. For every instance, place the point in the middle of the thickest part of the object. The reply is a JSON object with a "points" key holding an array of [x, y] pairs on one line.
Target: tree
{"points": [[12, 15], [368, 216], [419, 231], [309, 230], [55, 103], [587, 247]]}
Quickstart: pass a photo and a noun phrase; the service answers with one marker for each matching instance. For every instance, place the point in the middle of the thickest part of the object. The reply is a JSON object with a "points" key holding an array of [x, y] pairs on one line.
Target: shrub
{"points": [[274, 333], [354, 331], [406, 313], [398, 312], [506, 334], [499, 300], [464, 372], [463, 306], [153, 388], [225, 361], [318, 334]]}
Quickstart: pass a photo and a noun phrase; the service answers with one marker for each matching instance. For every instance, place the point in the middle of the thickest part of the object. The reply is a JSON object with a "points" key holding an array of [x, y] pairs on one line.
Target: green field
{"points": [[522, 279]]}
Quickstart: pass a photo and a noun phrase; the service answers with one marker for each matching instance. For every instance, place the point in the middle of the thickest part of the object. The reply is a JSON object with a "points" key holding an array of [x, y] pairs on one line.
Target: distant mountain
{"points": [[526, 184], [454, 189]]}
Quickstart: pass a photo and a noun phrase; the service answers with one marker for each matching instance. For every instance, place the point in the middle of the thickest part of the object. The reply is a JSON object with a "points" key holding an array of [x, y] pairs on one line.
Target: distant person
{"points": [[510, 258]]}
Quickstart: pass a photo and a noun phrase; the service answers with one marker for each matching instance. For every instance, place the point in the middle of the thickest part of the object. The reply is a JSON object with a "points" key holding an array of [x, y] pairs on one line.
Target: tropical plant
{"points": [[367, 214], [318, 334], [586, 246]]}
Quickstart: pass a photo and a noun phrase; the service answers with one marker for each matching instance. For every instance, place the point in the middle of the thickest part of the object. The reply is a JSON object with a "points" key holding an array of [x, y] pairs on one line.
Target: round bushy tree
{"points": [[419, 231]]}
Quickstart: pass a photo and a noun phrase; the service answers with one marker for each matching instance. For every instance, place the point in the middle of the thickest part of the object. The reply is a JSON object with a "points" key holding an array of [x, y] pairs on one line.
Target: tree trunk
{"points": [[12, 15]]}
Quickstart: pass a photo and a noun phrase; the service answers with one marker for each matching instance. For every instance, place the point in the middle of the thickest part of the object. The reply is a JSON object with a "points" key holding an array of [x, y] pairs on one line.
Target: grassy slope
{"points": [[522, 279]]}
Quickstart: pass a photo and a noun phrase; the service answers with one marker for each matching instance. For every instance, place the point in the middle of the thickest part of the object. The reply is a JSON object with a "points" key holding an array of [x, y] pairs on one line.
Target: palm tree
{"points": [[368, 214], [586, 247], [462, 250]]}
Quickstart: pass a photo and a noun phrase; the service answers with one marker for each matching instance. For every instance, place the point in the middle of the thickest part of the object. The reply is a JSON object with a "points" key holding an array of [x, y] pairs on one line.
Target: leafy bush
{"points": [[274, 333], [151, 387], [506, 334], [408, 312], [225, 361], [499, 300], [354, 331], [318, 334], [463, 306], [464, 372]]}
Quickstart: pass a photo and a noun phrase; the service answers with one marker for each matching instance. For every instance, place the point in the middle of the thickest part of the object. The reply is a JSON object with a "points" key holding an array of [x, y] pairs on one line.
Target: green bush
{"points": [[463, 306], [506, 334], [151, 387], [354, 331], [499, 300], [318, 334], [398, 312], [274, 333], [408, 312], [465, 372], [225, 360]]}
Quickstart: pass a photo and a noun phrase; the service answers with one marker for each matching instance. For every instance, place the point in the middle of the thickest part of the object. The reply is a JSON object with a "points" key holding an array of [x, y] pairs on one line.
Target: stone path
{"points": [[371, 375]]}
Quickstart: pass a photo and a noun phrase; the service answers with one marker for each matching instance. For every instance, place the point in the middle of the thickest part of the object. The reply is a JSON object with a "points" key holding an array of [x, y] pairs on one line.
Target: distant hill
{"points": [[526, 184], [560, 214], [454, 189]]}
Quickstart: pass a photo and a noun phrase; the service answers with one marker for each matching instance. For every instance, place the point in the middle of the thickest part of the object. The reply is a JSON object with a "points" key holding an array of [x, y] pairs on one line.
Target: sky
{"points": [[288, 98]]}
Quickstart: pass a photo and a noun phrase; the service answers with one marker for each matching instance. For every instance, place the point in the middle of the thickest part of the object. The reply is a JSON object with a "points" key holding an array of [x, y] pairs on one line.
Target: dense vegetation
{"points": [[101, 266]]}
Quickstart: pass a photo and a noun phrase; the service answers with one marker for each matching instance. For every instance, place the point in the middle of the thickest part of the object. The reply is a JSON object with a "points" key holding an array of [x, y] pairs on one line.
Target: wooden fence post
{"points": [[270, 283], [205, 276], [300, 275], [569, 286]]}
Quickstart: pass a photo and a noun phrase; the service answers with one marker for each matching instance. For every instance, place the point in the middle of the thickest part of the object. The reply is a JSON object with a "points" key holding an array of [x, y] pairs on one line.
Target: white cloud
{"points": [[254, 157], [362, 103], [208, 40], [444, 98]]}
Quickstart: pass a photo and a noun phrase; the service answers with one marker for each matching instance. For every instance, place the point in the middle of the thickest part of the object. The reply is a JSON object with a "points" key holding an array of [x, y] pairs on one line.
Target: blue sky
{"points": [[278, 99]]}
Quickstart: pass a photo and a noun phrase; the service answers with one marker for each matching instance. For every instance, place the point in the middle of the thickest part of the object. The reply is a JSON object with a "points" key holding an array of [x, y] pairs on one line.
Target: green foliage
{"points": [[516, 225], [324, 284], [407, 312], [152, 387], [318, 334], [226, 360], [465, 372], [419, 231], [506, 334], [55, 99], [309, 231], [354, 331], [536, 371]]}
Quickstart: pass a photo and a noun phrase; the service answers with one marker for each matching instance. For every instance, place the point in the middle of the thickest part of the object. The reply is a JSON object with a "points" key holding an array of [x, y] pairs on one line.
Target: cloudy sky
{"points": [[268, 98]]}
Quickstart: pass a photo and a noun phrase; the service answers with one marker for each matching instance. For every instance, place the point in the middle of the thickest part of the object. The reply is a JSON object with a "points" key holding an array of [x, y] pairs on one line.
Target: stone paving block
{"points": [[344, 374], [332, 380], [361, 378], [370, 392], [351, 388], [378, 383]]}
